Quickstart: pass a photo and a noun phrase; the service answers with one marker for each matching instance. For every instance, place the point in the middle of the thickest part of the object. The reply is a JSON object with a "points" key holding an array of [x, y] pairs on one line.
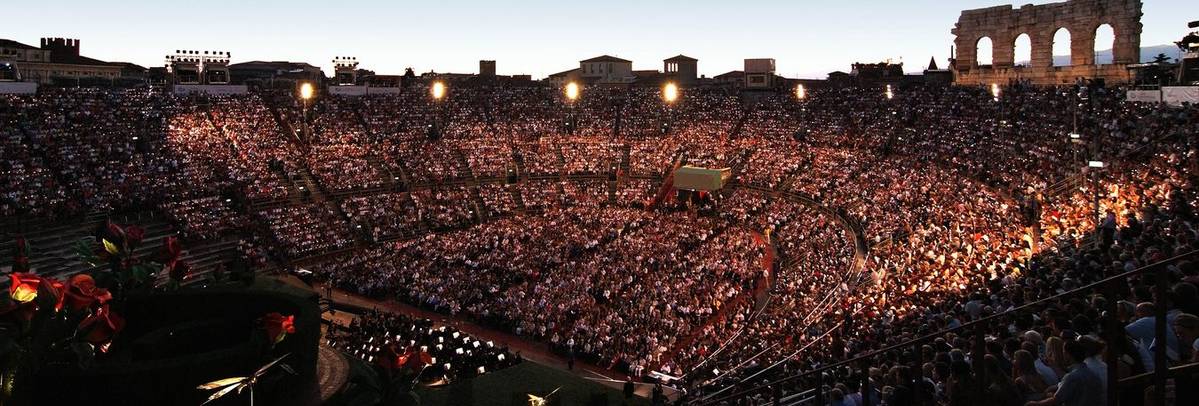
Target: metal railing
{"points": [[1158, 376]]}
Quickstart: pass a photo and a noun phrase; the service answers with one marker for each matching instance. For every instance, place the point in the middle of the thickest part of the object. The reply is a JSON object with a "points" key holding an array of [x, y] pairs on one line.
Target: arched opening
{"points": [[984, 51], [1061, 47], [1105, 41], [1022, 50]]}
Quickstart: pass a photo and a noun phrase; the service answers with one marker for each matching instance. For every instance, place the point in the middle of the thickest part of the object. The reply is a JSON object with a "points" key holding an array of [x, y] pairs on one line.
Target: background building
{"points": [[606, 69], [58, 59], [487, 69], [682, 69], [759, 73], [275, 72]]}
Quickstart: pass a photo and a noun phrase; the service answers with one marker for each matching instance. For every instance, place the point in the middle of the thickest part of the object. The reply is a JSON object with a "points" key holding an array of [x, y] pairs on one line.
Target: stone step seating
{"points": [[53, 253]]}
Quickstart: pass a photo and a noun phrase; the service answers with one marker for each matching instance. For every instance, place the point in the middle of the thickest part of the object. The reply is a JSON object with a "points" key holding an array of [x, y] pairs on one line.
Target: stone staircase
{"points": [[308, 182], [514, 190], [625, 158], [476, 200], [53, 250], [464, 167], [391, 179]]}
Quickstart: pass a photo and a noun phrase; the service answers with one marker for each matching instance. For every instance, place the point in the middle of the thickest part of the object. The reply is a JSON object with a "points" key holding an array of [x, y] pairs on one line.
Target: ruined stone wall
{"points": [[1003, 24]]}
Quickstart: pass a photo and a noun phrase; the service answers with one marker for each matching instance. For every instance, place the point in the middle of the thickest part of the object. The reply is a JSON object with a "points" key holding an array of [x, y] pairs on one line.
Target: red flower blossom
{"points": [[83, 293], [102, 326], [277, 326], [177, 269], [28, 292], [134, 235], [24, 287], [58, 290]]}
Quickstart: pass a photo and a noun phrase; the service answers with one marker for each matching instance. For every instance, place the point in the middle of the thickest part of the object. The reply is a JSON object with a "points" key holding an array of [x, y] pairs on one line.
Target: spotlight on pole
{"points": [[800, 92], [889, 93], [1095, 164], [1075, 136], [438, 90], [306, 91], [670, 92], [572, 91]]}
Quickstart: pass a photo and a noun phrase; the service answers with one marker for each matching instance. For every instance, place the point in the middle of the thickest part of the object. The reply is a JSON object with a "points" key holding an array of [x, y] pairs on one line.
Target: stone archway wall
{"points": [[1003, 24]]}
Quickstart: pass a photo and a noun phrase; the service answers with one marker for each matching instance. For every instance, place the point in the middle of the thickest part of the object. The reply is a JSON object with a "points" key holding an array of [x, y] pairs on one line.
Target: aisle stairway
{"points": [[53, 245]]}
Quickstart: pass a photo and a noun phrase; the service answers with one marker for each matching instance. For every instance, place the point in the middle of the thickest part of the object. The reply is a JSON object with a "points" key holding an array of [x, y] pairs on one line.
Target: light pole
{"points": [[995, 92], [801, 94], [572, 94], [438, 91], [670, 93], [306, 92]]}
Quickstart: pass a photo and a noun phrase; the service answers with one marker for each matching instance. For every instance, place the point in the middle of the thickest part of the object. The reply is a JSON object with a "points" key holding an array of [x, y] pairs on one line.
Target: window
{"points": [[1105, 44], [1061, 47], [984, 51], [1022, 51]]}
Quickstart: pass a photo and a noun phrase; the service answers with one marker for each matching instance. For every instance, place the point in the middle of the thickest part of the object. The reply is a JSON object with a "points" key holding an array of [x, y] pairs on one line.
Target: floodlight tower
{"points": [[438, 92], [572, 95], [306, 93], [670, 94]]}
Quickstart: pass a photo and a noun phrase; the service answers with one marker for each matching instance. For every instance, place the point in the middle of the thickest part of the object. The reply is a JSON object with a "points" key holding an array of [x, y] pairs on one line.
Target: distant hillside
{"points": [[1105, 56]]}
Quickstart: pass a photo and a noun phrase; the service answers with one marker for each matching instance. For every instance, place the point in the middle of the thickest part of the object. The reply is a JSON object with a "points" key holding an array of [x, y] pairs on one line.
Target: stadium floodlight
{"points": [[1095, 164], [572, 91], [306, 91], [670, 92], [438, 90], [800, 92]]}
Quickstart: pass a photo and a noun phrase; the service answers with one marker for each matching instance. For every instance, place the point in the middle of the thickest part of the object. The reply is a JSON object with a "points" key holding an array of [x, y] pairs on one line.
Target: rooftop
{"points": [[681, 58], [605, 58], [7, 43]]}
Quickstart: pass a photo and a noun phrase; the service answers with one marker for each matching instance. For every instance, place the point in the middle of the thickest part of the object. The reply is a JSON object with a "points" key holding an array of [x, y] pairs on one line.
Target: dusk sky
{"points": [[807, 38]]}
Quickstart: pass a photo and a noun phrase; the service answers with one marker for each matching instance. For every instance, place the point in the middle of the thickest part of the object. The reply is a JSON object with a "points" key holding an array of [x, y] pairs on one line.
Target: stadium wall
{"points": [[18, 87]]}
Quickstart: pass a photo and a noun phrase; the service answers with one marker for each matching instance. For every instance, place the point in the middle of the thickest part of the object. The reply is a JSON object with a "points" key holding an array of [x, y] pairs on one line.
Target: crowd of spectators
{"points": [[611, 285], [963, 204], [306, 229]]}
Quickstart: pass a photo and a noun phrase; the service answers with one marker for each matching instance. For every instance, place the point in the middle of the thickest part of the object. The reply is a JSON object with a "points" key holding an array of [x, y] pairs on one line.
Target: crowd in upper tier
{"points": [[852, 220]]}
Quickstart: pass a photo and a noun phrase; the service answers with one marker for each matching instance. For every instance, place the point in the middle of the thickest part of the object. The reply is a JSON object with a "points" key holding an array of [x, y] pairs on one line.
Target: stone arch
{"points": [[1076, 19], [1126, 48], [1022, 50], [984, 51], [1104, 44], [1062, 43]]}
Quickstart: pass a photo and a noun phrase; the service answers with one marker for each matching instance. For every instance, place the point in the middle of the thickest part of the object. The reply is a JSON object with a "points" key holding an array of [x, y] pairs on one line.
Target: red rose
{"points": [[57, 289], [113, 232], [177, 269], [102, 326], [83, 293], [29, 292], [171, 249], [277, 326], [24, 287], [134, 235]]}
